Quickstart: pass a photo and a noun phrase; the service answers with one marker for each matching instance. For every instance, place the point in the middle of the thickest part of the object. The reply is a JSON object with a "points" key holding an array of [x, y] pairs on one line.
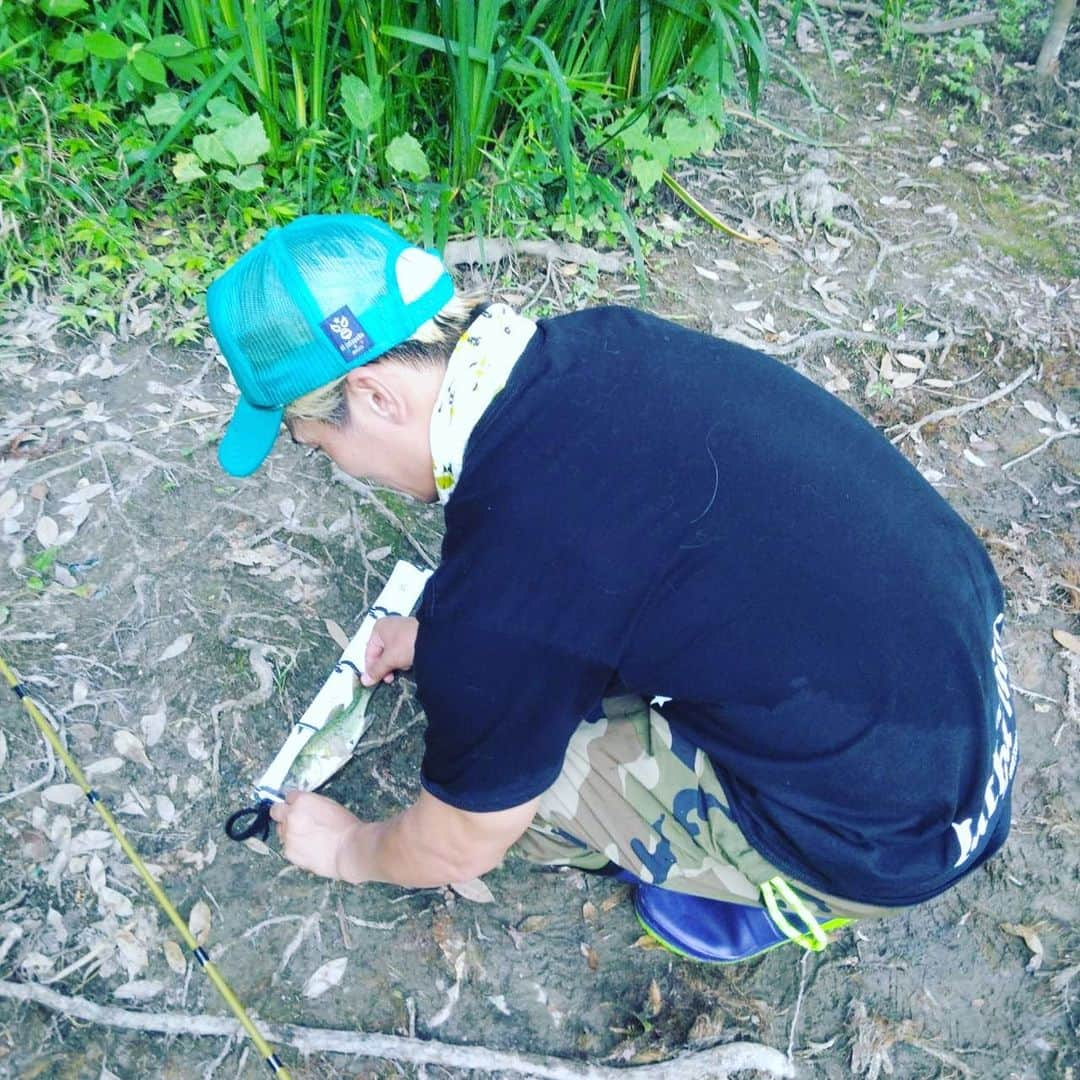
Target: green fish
{"points": [[332, 746]]}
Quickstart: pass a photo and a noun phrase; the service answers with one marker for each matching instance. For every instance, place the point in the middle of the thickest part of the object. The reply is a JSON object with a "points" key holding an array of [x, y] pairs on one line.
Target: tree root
{"points": [[912, 430], [712, 1064], [935, 26]]}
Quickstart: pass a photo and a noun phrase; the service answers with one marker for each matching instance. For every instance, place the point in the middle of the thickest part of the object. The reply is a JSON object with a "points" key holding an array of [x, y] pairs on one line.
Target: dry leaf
{"points": [[105, 766], [85, 493], [199, 922], [325, 977], [1031, 940], [62, 794], [646, 942], [3, 749], [91, 840], [339, 635], [153, 726], [174, 957], [588, 911], [902, 380], [253, 843], [590, 955], [114, 902], [474, 889], [531, 923], [747, 305], [1067, 640], [909, 360], [139, 990], [180, 645], [195, 745], [379, 553], [656, 1002], [165, 808], [127, 744], [708, 275], [1039, 411], [47, 531], [974, 458]]}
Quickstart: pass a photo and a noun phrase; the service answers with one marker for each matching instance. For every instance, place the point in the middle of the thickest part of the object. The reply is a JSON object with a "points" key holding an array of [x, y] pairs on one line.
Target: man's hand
{"points": [[315, 832], [390, 648], [430, 843]]}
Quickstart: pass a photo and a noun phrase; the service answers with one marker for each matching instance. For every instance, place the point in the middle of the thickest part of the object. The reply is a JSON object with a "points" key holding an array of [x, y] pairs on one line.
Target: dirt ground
{"points": [[913, 266]]}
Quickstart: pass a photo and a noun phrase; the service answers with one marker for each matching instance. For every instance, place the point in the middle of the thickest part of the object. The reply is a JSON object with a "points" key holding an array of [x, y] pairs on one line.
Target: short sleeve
{"points": [[500, 709]]}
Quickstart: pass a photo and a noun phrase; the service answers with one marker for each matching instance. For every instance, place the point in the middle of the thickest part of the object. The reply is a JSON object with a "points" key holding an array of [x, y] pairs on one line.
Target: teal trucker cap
{"points": [[308, 303]]}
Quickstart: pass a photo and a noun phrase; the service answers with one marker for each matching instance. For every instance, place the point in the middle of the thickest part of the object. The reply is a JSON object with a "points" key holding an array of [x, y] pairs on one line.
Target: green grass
{"points": [[207, 121]]}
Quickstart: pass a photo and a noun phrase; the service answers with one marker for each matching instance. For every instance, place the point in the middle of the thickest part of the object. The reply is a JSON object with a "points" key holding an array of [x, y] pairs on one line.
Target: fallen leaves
{"points": [[199, 922], [325, 977], [1030, 936], [178, 647]]}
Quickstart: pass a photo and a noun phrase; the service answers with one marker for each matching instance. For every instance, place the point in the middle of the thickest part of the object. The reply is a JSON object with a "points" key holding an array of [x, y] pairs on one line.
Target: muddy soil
{"points": [[912, 266]]}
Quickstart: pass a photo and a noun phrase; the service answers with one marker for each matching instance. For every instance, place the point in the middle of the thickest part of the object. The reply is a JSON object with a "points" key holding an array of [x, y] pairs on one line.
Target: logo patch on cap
{"points": [[346, 334]]}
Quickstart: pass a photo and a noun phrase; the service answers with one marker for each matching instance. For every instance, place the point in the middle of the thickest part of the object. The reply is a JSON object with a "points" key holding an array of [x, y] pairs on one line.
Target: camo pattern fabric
{"points": [[633, 791]]}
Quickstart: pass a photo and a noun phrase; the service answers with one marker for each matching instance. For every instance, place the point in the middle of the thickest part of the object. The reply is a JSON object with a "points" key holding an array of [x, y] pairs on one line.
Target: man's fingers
{"points": [[279, 812]]}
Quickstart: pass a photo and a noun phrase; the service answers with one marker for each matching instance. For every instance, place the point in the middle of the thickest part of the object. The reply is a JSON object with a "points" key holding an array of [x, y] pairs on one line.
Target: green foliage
{"points": [[131, 121]]}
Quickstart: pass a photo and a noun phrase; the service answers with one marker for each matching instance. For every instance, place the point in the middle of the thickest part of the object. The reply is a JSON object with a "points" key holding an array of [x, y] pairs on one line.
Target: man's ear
{"points": [[371, 393]]}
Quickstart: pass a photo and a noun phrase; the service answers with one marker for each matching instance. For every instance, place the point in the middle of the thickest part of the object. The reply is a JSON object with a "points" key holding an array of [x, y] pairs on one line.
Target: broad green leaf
{"points": [[246, 141], [72, 50], [165, 110], [106, 46], [128, 83], [210, 148], [186, 68], [362, 106], [406, 155], [221, 112], [149, 67], [62, 9], [634, 136], [186, 168], [684, 138], [169, 46], [249, 179], [646, 171]]}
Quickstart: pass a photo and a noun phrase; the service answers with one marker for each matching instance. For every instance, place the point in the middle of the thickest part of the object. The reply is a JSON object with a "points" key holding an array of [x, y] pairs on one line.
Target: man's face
{"points": [[371, 451]]}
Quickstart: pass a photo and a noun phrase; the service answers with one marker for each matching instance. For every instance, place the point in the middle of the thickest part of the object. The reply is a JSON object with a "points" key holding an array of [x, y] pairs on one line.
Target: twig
{"points": [[803, 960], [711, 1064], [373, 500], [1070, 432], [851, 335], [913, 430]]}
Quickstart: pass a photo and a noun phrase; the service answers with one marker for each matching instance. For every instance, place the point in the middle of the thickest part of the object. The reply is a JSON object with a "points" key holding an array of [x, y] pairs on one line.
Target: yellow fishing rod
{"points": [[208, 965]]}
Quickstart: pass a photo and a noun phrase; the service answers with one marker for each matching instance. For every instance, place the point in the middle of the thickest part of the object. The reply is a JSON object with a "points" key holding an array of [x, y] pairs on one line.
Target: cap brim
{"points": [[249, 438]]}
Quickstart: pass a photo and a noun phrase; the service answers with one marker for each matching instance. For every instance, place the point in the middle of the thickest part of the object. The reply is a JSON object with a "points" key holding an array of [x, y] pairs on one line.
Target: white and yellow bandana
{"points": [[479, 368]]}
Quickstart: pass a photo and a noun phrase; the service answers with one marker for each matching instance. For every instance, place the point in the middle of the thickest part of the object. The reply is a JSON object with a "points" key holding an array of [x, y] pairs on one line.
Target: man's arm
{"points": [[430, 843]]}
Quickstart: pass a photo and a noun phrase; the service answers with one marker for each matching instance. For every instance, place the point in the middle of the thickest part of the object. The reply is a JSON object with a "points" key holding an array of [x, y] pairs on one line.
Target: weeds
{"points": [[126, 117]]}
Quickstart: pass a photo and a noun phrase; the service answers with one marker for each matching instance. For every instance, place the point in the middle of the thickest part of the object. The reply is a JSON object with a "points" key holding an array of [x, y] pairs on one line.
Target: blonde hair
{"points": [[430, 346]]}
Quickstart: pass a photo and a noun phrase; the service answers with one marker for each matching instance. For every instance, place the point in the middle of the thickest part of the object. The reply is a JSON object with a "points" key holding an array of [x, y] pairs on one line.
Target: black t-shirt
{"points": [[653, 507]]}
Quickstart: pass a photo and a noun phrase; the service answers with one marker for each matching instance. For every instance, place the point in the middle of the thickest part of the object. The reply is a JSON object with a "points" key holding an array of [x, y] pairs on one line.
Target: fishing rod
{"points": [[166, 905]]}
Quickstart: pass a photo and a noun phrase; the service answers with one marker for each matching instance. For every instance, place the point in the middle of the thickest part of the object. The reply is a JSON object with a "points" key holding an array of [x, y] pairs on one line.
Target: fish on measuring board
{"points": [[333, 744]]}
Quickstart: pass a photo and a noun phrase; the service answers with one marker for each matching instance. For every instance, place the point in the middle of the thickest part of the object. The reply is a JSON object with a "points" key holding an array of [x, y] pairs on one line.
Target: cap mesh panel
{"points": [[273, 325]]}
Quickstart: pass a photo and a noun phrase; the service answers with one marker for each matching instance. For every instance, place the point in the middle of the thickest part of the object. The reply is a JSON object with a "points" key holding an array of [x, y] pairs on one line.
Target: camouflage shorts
{"points": [[634, 792]]}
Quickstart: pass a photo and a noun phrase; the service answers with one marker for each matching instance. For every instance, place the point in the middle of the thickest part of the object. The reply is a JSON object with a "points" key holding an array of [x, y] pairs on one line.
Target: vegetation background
{"points": [[903, 180], [144, 143]]}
